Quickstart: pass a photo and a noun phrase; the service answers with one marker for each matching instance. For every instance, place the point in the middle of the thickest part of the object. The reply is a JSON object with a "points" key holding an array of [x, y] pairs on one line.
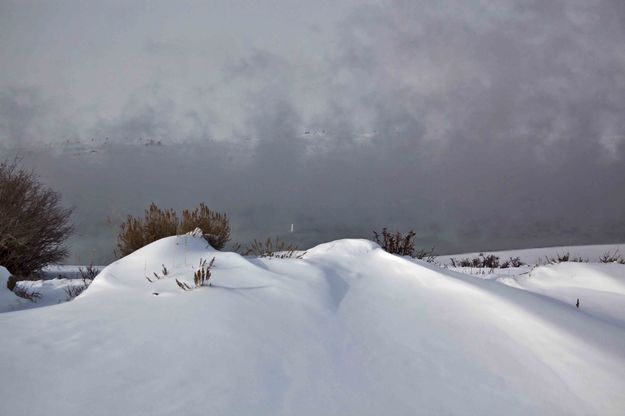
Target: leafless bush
{"points": [[490, 261], [402, 244], [396, 243], [512, 262], [27, 293], [157, 223], [33, 224], [561, 258], [72, 291], [89, 272], [274, 249], [612, 257], [214, 225], [130, 237]]}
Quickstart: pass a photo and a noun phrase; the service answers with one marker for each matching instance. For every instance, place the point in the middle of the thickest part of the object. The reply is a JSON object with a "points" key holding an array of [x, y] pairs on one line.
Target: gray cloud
{"points": [[480, 124]]}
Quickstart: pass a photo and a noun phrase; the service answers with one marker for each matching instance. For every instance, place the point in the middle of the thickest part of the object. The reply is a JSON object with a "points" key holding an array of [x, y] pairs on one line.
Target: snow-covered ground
{"points": [[535, 256], [347, 330], [64, 271]]}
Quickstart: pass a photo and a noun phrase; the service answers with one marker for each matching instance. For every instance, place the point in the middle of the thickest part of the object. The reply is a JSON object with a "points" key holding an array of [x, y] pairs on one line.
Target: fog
{"points": [[479, 125]]}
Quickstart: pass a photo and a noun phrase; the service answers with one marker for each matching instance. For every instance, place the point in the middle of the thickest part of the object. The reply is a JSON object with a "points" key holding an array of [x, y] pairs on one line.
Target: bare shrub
{"points": [[612, 257], [274, 249], [27, 293], [137, 232], [89, 272], [214, 225], [561, 258], [130, 237], [33, 224], [159, 223], [73, 291], [512, 262], [396, 243], [403, 245], [490, 261]]}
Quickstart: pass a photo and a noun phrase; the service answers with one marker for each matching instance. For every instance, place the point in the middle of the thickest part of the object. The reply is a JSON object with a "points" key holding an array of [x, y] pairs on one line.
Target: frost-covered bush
{"points": [[158, 223], [33, 224]]}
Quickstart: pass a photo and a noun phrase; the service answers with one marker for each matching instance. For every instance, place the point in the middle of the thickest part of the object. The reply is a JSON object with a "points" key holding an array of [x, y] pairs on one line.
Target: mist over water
{"points": [[479, 125]]}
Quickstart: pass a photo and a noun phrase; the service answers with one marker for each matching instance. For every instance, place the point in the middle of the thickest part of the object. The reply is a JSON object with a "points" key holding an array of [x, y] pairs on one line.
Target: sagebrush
{"points": [[157, 223]]}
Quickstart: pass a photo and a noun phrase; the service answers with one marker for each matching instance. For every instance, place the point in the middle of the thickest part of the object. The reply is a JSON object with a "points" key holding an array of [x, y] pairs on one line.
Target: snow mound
{"points": [[600, 288], [8, 300], [348, 329]]}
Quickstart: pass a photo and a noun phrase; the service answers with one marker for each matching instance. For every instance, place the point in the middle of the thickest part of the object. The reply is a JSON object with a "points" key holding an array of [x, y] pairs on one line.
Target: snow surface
{"points": [[51, 292], [540, 255], [347, 330], [8, 300]]}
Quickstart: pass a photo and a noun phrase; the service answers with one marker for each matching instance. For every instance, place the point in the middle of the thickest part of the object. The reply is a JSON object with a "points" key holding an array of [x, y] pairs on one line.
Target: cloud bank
{"points": [[479, 125]]}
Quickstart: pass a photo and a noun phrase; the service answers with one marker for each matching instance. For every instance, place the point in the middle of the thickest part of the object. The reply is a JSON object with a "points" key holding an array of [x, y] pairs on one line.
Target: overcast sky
{"points": [[480, 124]]}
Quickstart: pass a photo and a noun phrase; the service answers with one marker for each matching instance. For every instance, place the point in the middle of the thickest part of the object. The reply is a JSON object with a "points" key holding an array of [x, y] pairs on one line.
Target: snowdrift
{"points": [[347, 330], [540, 255], [8, 300]]}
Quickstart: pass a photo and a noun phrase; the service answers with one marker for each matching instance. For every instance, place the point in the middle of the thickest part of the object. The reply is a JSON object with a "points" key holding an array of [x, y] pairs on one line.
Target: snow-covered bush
{"points": [[157, 223], [33, 224]]}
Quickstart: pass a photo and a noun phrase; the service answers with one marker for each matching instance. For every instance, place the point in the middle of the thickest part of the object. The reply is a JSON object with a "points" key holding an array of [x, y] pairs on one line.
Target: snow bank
{"points": [[539, 255], [348, 329], [600, 288], [8, 300]]}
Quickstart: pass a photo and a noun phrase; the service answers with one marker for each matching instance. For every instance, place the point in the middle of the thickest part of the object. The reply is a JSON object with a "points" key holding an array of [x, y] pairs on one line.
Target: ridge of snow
{"points": [[348, 329]]}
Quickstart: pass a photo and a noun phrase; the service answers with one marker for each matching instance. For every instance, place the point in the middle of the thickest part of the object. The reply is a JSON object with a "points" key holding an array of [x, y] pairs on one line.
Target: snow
{"points": [[348, 329], [540, 255], [51, 292], [8, 300]]}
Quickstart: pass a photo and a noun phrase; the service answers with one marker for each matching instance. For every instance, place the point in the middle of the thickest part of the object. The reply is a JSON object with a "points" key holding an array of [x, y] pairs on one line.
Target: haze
{"points": [[481, 125]]}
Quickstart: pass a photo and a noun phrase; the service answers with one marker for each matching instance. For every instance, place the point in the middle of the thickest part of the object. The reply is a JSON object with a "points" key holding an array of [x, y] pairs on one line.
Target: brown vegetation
{"points": [[273, 248], [157, 223], [402, 244], [33, 224]]}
